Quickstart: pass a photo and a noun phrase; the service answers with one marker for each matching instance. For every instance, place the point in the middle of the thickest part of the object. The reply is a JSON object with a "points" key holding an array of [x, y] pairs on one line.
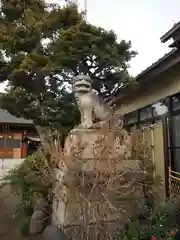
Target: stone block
{"points": [[54, 233]]}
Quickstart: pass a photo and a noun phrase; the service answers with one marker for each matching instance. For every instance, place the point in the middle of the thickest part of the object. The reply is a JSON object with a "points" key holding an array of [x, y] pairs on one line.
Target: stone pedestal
{"points": [[100, 187]]}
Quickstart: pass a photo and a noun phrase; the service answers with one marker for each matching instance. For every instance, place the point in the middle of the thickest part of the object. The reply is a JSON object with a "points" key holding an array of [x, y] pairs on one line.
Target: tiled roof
{"points": [[169, 34], [6, 117], [160, 60]]}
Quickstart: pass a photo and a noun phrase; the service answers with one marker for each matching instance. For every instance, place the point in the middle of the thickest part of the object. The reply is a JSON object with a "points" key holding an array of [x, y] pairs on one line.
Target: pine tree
{"points": [[42, 47]]}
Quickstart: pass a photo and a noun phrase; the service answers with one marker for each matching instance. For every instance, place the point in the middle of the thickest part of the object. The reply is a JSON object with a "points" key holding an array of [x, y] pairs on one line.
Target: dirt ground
{"points": [[9, 226]]}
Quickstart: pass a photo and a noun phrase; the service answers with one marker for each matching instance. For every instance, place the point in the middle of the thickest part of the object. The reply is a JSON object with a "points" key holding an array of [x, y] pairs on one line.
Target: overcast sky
{"points": [[141, 21]]}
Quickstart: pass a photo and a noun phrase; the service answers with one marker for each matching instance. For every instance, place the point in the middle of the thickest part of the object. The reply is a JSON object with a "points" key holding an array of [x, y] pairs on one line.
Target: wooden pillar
{"points": [[24, 150], [17, 145], [24, 146]]}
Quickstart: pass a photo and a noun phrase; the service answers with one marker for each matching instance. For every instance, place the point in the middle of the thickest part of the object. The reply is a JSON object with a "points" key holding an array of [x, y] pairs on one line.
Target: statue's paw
{"points": [[52, 232]]}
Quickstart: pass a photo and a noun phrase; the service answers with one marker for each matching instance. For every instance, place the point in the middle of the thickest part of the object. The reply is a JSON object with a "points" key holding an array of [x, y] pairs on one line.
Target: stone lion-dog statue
{"points": [[92, 108]]}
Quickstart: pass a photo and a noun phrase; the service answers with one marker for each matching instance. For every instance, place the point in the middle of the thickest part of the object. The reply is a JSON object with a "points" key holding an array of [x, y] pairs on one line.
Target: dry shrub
{"points": [[106, 189]]}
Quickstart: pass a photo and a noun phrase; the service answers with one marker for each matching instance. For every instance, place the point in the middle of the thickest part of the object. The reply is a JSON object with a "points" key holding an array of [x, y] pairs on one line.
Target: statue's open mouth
{"points": [[82, 90], [79, 85], [82, 87]]}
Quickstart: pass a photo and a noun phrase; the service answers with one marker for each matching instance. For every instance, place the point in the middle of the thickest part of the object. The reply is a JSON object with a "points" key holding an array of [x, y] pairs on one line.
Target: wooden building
{"points": [[154, 106], [13, 131]]}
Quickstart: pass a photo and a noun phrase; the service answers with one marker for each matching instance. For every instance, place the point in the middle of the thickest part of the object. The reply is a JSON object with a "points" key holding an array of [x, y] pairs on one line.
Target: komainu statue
{"points": [[91, 106]]}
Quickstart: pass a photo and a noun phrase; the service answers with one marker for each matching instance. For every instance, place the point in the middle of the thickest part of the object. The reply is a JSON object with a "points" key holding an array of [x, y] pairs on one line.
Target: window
{"points": [[169, 155], [176, 145], [176, 102], [132, 117], [9, 143], [176, 124], [168, 133], [159, 108], [2, 143], [17, 143], [177, 159], [145, 113]]}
